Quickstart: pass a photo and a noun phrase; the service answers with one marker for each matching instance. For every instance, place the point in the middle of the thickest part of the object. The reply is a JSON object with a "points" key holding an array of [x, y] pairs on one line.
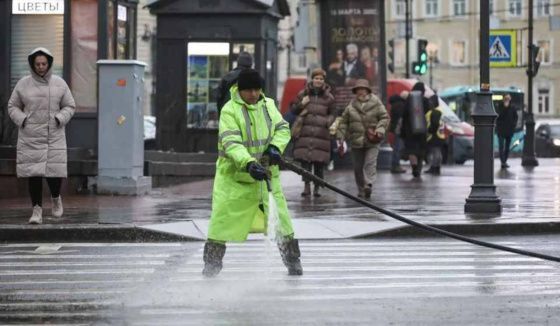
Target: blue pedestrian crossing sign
{"points": [[503, 48]]}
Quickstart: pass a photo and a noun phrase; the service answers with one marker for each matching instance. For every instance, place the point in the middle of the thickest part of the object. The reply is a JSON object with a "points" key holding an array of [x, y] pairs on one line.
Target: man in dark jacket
{"points": [[415, 143], [244, 61], [505, 127], [398, 105]]}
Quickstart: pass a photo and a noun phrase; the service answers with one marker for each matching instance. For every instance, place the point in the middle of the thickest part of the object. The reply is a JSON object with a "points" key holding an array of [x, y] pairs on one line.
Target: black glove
{"points": [[273, 154], [257, 171]]}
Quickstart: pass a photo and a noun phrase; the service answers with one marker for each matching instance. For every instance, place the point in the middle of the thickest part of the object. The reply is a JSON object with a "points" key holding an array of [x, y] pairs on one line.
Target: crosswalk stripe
{"points": [[154, 283], [45, 257], [70, 272], [81, 264]]}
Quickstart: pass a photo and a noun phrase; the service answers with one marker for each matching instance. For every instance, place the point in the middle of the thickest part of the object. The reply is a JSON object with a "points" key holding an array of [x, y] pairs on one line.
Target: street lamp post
{"points": [[528, 158], [483, 198], [407, 37]]}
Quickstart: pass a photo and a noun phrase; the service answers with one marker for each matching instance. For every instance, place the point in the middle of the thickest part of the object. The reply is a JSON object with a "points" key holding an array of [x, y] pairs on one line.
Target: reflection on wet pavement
{"points": [[525, 193]]}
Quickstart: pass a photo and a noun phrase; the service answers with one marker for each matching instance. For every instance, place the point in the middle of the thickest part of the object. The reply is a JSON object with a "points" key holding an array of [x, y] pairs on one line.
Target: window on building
{"points": [[83, 75], [206, 64], [433, 52], [515, 8], [121, 30], [399, 9], [29, 32], [400, 53], [459, 7], [544, 52], [432, 8], [542, 8], [458, 53], [543, 100], [301, 61]]}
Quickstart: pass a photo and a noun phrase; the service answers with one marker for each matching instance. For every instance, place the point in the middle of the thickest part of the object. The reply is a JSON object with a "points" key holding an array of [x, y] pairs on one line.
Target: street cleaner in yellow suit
{"points": [[252, 136]]}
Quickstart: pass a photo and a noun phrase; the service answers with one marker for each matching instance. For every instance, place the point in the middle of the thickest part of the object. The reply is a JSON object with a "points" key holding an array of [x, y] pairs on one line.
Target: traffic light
{"points": [[391, 56], [536, 63], [420, 66]]}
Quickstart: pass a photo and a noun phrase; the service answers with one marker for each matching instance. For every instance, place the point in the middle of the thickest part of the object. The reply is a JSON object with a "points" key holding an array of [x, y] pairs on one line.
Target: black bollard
{"points": [[483, 198]]}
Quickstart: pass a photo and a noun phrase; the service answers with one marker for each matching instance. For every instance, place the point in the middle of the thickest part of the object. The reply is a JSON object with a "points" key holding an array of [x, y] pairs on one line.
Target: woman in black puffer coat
{"points": [[313, 145]]}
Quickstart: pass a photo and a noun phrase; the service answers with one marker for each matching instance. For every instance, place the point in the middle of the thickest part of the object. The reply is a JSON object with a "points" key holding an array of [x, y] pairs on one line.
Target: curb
{"points": [[478, 229], [137, 233], [86, 233]]}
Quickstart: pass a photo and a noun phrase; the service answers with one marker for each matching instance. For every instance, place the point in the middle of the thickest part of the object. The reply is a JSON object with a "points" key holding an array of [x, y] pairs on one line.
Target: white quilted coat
{"points": [[41, 145]]}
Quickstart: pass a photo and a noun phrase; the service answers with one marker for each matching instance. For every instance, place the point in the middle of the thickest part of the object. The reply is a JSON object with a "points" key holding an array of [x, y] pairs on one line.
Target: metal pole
{"points": [[483, 198], [529, 158], [431, 61], [407, 38]]}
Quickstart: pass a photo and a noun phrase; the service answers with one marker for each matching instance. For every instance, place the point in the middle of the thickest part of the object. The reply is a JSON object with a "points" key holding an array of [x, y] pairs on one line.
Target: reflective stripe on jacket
{"points": [[245, 132], [438, 131]]}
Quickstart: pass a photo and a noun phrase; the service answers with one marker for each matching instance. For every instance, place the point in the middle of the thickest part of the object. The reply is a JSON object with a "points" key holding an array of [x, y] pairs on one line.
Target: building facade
{"points": [[451, 28]]}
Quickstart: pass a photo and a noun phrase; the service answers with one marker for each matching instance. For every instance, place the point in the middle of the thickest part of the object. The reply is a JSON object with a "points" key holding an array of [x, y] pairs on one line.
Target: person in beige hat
{"points": [[363, 125], [312, 144]]}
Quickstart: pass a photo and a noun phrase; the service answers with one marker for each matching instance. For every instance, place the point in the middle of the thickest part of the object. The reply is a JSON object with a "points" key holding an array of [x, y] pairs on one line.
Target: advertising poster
{"points": [[203, 80], [351, 45]]}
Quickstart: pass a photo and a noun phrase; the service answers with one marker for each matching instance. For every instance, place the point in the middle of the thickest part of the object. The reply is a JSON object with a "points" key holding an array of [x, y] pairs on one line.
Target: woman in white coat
{"points": [[41, 105]]}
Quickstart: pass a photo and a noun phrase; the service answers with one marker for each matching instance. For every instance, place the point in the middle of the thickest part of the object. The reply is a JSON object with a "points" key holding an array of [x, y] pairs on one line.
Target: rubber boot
{"points": [[415, 171], [316, 192], [367, 191], [431, 170], [57, 208], [37, 216], [213, 254], [289, 250], [306, 190]]}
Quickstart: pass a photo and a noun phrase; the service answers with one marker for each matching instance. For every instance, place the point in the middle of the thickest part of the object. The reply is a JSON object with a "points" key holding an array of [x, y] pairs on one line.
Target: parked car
{"points": [[547, 138], [149, 132], [460, 146]]}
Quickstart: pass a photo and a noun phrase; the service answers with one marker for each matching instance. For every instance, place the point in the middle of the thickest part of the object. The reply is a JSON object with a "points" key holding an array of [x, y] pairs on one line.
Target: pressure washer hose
{"points": [[321, 182]]}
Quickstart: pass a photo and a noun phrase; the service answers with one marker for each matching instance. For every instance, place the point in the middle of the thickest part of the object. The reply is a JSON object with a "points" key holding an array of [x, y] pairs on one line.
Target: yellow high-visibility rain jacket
{"points": [[245, 132]]}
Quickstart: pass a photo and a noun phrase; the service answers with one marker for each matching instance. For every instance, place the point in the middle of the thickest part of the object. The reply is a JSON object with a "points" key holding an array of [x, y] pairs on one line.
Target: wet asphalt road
{"points": [[429, 281]]}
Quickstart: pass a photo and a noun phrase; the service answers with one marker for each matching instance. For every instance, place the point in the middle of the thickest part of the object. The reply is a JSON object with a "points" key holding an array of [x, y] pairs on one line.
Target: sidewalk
{"points": [[530, 199]]}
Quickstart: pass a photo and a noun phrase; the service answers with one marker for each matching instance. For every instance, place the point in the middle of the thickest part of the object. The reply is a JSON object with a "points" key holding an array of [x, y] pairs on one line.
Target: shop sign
{"points": [[38, 7]]}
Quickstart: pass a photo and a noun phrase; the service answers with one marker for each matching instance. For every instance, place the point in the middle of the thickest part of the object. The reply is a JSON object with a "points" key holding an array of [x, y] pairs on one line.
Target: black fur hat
{"points": [[249, 79], [419, 86], [245, 60]]}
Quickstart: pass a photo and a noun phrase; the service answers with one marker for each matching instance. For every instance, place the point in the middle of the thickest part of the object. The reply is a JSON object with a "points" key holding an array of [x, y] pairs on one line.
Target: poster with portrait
{"points": [[351, 45]]}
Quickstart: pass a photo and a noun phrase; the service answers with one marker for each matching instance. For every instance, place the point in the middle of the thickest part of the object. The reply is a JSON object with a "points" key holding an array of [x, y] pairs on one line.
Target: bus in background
{"points": [[462, 100], [460, 145]]}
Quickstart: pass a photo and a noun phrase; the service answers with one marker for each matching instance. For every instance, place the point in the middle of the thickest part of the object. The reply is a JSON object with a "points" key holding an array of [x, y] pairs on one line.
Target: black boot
{"points": [[213, 254], [431, 170], [289, 250], [437, 170], [416, 171]]}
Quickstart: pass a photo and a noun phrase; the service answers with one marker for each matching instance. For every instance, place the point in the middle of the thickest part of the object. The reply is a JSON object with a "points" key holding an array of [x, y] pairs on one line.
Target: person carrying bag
{"points": [[363, 125]]}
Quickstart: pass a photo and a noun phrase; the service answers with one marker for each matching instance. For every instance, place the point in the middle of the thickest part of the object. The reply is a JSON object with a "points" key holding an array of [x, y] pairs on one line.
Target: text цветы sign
{"points": [[38, 7]]}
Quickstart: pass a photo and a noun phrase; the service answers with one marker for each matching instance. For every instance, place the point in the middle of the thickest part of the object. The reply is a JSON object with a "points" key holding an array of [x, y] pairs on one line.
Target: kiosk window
{"points": [[206, 64]]}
